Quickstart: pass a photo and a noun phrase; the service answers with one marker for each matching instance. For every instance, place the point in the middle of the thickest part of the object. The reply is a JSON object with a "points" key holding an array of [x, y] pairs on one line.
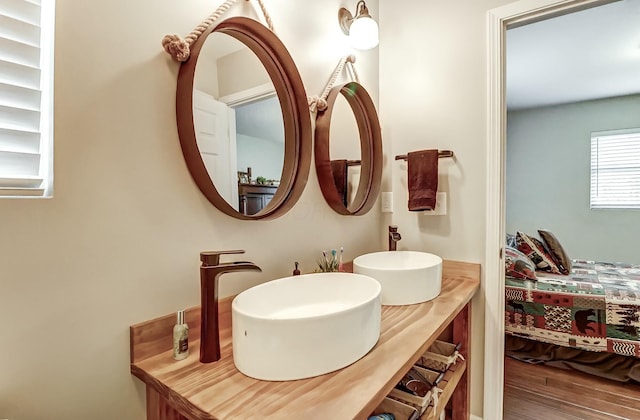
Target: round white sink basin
{"points": [[303, 326], [407, 277]]}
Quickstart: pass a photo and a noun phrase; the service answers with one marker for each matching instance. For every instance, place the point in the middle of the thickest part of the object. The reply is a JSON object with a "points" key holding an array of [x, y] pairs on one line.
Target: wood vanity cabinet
{"points": [[254, 197], [187, 389]]}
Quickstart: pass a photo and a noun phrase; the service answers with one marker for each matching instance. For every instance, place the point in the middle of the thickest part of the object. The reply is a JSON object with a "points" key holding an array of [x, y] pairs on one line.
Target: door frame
{"points": [[498, 20]]}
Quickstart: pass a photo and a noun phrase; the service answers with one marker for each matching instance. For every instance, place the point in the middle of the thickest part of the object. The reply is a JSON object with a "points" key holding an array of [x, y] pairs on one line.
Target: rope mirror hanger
{"points": [[319, 103], [179, 48]]}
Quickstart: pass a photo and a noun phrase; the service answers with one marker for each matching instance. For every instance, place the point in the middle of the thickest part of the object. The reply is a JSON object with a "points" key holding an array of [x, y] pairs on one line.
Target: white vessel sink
{"points": [[304, 326], [407, 277]]}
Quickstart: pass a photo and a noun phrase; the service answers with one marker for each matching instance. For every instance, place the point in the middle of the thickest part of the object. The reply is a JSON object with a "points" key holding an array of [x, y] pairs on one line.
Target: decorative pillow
{"points": [[518, 265], [556, 250], [511, 241], [534, 249]]}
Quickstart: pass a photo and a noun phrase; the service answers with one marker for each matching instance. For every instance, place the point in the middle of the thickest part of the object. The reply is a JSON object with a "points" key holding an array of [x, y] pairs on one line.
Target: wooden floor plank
{"points": [[538, 391], [541, 374], [525, 405]]}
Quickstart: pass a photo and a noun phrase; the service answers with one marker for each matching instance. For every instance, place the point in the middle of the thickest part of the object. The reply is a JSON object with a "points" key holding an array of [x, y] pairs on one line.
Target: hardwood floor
{"points": [[534, 392]]}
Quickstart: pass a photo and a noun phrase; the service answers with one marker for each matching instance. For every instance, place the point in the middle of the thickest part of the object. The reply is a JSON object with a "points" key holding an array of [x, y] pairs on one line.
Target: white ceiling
{"points": [[590, 54]]}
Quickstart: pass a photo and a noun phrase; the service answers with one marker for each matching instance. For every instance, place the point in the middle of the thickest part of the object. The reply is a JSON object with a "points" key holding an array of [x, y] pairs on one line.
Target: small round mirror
{"points": [[243, 120], [350, 184]]}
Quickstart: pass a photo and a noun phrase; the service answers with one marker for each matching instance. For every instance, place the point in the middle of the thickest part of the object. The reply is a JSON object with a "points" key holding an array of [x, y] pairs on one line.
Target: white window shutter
{"points": [[615, 169], [24, 73]]}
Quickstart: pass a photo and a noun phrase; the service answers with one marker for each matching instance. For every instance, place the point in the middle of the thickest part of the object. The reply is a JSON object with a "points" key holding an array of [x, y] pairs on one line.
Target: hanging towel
{"points": [[339, 169], [422, 178]]}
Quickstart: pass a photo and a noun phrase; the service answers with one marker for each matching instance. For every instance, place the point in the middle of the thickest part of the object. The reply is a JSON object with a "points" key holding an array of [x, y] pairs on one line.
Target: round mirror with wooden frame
{"points": [[332, 173], [295, 117]]}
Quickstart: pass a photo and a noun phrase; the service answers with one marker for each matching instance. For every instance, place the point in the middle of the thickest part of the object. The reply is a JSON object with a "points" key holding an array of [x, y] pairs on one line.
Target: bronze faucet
{"points": [[394, 237], [210, 271]]}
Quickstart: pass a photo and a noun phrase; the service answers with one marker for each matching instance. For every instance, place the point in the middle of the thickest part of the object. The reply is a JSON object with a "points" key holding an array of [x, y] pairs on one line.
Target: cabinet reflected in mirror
{"points": [[241, 104], [349, 175]]}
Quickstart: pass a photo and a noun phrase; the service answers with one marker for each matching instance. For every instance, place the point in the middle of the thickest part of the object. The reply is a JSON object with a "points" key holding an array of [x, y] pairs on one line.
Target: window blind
{"points": [[24, 127], [615, 170]]}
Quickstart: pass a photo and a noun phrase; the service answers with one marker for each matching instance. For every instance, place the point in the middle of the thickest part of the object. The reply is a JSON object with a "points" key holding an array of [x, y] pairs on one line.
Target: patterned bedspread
{"points": [[596, 307]]}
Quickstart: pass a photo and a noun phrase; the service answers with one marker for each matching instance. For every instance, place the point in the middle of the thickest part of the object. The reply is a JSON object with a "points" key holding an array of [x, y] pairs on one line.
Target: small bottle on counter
{"points": [[296, 271], [180, 337]]}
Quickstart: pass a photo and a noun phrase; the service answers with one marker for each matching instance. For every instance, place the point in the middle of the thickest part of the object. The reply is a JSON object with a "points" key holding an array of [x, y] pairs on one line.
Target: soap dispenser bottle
{"points": [[180, 337]]}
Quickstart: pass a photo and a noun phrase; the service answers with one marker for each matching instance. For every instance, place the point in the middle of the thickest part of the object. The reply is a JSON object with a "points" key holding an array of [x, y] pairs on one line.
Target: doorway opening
{"points": [[498, 21]]}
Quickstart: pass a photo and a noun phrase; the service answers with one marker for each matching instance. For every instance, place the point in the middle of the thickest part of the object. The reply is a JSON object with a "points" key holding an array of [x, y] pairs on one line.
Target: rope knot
{"points": [[317, 103], [176, 47], [435, 396], [321, 104]]}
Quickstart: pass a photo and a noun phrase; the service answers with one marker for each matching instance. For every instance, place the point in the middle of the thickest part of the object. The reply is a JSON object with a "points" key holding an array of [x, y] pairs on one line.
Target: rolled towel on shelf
{"points": [[422, 179]]}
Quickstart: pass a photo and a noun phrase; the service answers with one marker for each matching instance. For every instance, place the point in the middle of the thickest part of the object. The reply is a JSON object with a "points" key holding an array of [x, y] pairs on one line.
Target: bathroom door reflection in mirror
{"points": [[238, 123]]}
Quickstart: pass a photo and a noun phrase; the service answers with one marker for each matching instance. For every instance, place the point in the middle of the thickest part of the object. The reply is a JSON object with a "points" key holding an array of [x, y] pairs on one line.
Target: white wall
{"points": [[240, 71], [264, 157], [433, 95], [548, 177], [120, 241]]}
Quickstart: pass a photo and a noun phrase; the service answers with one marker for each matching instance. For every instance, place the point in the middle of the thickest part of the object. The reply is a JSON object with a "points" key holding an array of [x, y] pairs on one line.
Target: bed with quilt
{"points": [[581, 304]]}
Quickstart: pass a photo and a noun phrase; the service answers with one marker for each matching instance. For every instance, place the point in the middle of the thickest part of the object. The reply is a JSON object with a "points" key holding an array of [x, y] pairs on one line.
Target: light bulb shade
{"points": [[363, 33]]}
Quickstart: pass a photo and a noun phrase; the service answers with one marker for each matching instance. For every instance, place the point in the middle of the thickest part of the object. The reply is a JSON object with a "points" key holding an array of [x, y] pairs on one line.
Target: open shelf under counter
{"points": [[188, 389], [449, 385]]}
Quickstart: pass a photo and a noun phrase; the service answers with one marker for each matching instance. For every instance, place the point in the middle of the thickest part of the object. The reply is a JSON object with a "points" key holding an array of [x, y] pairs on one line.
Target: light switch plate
{"points": [[441, 206], [386, 201]]}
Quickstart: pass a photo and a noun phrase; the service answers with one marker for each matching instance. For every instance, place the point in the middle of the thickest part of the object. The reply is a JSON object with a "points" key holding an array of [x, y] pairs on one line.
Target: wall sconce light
{"points": [[362, 29]]}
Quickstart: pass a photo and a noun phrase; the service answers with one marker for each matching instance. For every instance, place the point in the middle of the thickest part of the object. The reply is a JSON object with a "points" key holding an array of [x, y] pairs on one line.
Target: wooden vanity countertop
{"points": [[219, 391]]}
